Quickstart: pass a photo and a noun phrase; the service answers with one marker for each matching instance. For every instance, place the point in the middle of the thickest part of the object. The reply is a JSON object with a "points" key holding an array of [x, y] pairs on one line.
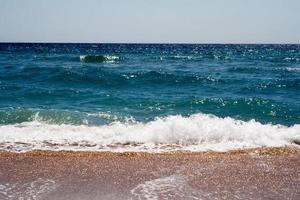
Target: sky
{"points": [[150, 21]]}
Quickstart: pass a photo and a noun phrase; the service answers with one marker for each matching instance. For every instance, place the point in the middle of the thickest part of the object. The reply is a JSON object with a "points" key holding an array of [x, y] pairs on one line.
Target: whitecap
{"points": [[198, 132]]}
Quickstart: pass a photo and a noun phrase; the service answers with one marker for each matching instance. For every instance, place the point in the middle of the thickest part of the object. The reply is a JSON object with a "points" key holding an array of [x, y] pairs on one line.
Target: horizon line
{"points": [[187, 43]]}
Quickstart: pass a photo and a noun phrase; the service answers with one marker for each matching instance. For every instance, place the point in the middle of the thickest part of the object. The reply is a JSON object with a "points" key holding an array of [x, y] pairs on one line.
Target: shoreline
{"points": [[248, 174], [258, 150]]}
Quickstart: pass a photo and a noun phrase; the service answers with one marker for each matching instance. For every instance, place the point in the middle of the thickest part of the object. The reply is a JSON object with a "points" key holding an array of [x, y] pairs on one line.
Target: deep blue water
{"points": [[101, 83]]}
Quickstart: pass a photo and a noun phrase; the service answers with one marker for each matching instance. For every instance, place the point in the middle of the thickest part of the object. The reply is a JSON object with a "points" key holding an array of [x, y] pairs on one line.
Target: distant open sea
{"points": [[148, 97]]}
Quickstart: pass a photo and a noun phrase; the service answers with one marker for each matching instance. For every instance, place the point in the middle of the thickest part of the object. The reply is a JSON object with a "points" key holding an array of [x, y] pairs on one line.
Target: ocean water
{"points": [[148, 97]]}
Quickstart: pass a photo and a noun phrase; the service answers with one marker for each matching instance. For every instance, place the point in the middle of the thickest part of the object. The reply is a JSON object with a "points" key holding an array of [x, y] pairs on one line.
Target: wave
{"points": [[291, 59], [255, 70], [198, 132], [107, 78], [292, 69], [58, 116], [106, 109], [98, 58], [249, 70]]}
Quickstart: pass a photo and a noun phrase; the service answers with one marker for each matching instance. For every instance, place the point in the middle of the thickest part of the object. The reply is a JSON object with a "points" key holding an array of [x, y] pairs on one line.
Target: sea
{"points": [[148, 97]]}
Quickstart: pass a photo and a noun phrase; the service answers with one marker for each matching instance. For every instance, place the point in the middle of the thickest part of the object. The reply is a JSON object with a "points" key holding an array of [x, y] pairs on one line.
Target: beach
{"points": [[262, 173], [90, 121], [150, 100]]}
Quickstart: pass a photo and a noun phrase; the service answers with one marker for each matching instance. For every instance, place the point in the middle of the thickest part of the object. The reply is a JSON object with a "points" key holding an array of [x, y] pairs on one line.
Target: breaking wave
{"points": [[199, 132], [98, 58]]}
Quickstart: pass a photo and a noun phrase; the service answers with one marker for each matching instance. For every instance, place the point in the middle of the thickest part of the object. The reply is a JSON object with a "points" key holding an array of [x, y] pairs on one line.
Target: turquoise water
{"points": [[101, 83], [148, 96]]}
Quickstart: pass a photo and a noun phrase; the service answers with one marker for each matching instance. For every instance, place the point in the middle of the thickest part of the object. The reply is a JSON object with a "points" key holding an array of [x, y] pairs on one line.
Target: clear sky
{"points": [[181, 21]]}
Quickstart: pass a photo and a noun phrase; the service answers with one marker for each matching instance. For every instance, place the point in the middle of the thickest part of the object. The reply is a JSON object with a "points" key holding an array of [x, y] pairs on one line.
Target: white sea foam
{"points": [[82, 57], [170, 187], [34, 190], [98, 58], [291, 59], [199, 132], [292, 69]]}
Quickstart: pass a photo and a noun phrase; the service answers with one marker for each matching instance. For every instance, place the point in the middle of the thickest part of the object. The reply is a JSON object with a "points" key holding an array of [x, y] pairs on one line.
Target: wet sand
{"points": [[270, 173]]}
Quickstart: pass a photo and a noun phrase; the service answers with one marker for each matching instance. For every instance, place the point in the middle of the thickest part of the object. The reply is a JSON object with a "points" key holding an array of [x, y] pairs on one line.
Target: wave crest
{"points": [[98, 58], [199, 132]]}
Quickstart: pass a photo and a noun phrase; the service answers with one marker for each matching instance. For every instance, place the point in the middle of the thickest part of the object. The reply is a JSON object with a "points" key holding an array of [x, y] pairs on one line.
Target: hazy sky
{"points": [[188, 21]]}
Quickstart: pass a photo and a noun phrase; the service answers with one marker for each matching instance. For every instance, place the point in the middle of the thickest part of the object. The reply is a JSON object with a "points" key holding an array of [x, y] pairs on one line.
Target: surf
{"points": [[198, 132]]}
